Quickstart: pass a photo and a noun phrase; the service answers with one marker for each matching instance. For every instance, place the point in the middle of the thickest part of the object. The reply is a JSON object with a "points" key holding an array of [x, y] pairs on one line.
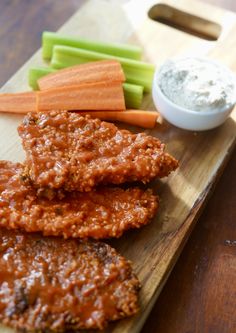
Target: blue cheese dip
{"points": [[197, 84]]}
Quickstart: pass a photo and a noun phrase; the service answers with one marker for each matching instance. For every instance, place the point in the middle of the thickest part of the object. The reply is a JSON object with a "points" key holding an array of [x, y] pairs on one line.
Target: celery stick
{"points": [[133, 95], [36, 73], [136, 72], [49, 39]]}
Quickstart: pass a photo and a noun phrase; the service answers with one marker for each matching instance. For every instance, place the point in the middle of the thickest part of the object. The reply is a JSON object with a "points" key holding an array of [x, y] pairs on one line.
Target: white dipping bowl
{"points": [[185, 118]]}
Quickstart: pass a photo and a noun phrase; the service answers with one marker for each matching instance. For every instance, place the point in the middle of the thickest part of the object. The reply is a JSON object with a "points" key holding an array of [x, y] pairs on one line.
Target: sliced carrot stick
{"points": [[91, 96], [145, 119], [18, 102], [97, 71]]}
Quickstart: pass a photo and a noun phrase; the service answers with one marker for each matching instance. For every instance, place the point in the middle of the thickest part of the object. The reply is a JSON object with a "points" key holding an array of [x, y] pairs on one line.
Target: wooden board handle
{"points": [[184, 21]]}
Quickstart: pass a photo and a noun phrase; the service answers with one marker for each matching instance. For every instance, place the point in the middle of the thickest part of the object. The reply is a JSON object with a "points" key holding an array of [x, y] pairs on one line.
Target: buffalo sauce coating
{"points": [[101, 213], [77, 153], [51, 284]]}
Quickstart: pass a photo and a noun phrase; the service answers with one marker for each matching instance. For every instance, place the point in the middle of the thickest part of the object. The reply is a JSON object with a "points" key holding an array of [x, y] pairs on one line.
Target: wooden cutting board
{"points": [[202, 155]]}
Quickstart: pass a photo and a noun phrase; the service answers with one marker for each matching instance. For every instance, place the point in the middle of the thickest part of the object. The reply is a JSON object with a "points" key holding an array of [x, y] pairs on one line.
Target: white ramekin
{"points": [[185, 118]]}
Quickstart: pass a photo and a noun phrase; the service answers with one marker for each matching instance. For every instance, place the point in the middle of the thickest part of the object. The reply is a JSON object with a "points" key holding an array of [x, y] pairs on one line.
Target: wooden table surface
{"points": [[200, 295]]}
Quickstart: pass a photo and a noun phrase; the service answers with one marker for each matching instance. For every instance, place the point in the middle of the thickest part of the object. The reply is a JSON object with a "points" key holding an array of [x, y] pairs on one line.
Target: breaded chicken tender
{"points": [[74, 152], [101, 213], [55, 285]]}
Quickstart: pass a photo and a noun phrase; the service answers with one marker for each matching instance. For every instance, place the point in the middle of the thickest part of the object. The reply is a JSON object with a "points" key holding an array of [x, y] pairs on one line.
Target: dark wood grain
{"points": [[21, 26], [200, 295]]}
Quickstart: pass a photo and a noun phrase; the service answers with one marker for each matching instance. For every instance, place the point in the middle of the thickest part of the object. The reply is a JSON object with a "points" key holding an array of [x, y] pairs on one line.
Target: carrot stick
{"points": [[145, 119], [18, 102], [91, 96], [97, 71]]}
